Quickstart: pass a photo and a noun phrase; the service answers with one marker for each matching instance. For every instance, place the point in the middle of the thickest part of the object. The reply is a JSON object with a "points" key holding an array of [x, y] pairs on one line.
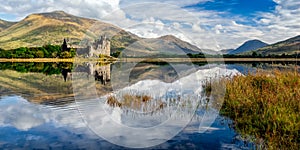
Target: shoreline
{"points": [[151, 60], [207, 60]]}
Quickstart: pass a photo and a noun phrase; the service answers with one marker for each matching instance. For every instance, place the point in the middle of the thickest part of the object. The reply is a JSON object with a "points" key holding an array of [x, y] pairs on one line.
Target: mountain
{"points": [[248, 46], [53, 27], [226, 51], [5, 24], [288, 46]]}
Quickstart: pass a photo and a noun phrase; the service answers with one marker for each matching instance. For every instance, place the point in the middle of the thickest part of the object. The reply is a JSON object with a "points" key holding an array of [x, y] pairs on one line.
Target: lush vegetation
{"points": [[46, 68], [265, 106], [47, 51], [253, 55], [117, 53]]}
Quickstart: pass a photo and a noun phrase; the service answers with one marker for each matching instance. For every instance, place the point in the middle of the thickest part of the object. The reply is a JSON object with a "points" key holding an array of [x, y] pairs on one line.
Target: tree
{"points": [[65, 54], [39, 54], [254, 55], [116, 54]]}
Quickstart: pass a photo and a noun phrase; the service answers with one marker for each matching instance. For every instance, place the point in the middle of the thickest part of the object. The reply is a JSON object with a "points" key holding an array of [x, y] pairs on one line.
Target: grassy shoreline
{"points": [[208, 60], [37, 60], [151, 59], [265, 106], [56, 59]]}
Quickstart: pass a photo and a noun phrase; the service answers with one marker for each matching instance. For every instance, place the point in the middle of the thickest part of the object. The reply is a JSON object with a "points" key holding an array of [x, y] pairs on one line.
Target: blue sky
{"points": [[236, 7], [214, 24], [244, 8]]}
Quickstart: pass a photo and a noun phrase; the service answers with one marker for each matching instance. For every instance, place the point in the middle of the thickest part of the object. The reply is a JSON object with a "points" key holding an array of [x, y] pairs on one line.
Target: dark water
{"points": [[64, 106]]}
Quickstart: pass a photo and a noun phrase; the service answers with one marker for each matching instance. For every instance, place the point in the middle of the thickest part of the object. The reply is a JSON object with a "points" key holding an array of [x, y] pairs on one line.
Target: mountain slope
{"points": [[226, 51], [5, 24], [185, 46], [249, 46], [53, 27], [289, 46]]}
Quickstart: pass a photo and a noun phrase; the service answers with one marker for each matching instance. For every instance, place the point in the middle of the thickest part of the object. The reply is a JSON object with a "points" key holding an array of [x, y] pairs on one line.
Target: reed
{"points": [[265, 106], [142, 103]]}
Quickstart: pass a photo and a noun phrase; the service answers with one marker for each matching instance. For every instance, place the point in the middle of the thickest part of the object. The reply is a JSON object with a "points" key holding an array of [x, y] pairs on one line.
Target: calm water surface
{"points": [[65, 106]]}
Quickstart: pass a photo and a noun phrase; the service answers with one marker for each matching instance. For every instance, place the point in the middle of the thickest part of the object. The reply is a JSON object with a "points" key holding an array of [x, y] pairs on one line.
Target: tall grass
{"points": [[265, 106], [142, 103]]}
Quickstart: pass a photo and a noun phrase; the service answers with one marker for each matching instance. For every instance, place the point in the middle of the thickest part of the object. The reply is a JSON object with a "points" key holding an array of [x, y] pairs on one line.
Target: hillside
{"points": [[53, 27], [289, 46], [5, 24], [185, 46], [248, 46], [226, 51]]}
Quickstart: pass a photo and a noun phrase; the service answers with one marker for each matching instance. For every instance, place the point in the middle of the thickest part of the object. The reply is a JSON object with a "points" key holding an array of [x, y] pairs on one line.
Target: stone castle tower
{"points": [[100, 46]]}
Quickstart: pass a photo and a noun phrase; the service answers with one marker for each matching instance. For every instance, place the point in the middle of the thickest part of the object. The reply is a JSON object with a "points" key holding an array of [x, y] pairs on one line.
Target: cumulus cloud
{"points": [[116, 125], [17, 112], [91, 8], [283, 23], [154, 18]]}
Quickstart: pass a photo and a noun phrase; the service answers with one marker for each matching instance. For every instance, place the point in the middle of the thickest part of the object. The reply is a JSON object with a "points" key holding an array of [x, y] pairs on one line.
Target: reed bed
{"points": [[265, 106], [142, 103]]}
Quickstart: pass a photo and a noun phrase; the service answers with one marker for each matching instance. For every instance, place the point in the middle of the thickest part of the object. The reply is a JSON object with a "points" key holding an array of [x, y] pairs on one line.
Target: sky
{"points": [[209, 24]]}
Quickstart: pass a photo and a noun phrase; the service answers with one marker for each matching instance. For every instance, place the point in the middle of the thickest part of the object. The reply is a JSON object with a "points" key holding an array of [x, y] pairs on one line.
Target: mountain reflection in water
{"points": [[44, 117]]}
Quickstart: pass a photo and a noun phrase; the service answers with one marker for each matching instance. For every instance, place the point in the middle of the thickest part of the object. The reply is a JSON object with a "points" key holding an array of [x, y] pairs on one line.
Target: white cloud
{"points": [[90, 8], [114, 124], [283, 23], [153, 18], [22, 115]]}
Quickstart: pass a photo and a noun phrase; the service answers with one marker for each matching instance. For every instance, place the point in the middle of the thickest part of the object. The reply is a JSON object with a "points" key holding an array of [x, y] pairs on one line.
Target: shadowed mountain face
{"points": [[5, 24], [289, 46], [53, 27], [227, 51], [248, 46]]}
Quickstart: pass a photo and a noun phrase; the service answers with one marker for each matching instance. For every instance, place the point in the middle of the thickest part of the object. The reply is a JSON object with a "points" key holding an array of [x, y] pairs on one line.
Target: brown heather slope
{"points": [[53, 27]]}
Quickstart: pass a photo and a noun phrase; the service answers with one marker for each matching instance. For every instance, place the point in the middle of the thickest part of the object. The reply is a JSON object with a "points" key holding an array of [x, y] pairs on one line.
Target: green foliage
{"points": [[46, 68], [65, 54], [47, 51], [39, 54], [116, 54], [253, 55]]}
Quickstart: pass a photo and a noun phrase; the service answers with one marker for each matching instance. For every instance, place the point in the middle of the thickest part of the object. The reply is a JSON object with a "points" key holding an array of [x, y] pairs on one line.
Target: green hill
{"points": [[289, 46]]}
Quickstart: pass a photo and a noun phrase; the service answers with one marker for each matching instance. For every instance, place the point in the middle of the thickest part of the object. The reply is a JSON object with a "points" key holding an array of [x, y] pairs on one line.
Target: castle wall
{"points": [[100, 46]]}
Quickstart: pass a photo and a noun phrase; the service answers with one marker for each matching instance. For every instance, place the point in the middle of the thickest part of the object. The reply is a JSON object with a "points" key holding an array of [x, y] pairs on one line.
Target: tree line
{"points": [[46, 51], [39, 67], [253, 55]]}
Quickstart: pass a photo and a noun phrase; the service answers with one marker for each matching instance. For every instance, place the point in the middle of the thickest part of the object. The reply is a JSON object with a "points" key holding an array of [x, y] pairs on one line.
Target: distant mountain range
{"points": [[52, 28], [246, 47], [289, 46]]}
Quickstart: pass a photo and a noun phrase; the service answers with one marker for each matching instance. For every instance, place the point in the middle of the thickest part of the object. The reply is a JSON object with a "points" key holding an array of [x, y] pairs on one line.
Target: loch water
{"points": [[65, 106]]}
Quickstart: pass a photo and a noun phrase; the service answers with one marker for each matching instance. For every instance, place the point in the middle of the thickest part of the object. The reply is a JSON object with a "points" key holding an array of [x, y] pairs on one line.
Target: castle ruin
{"points": [[100, 46], [94, 49]]}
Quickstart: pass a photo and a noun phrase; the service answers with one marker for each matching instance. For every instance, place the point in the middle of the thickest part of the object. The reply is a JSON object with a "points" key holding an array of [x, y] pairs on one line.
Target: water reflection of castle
{"points": [[100, 73]]}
